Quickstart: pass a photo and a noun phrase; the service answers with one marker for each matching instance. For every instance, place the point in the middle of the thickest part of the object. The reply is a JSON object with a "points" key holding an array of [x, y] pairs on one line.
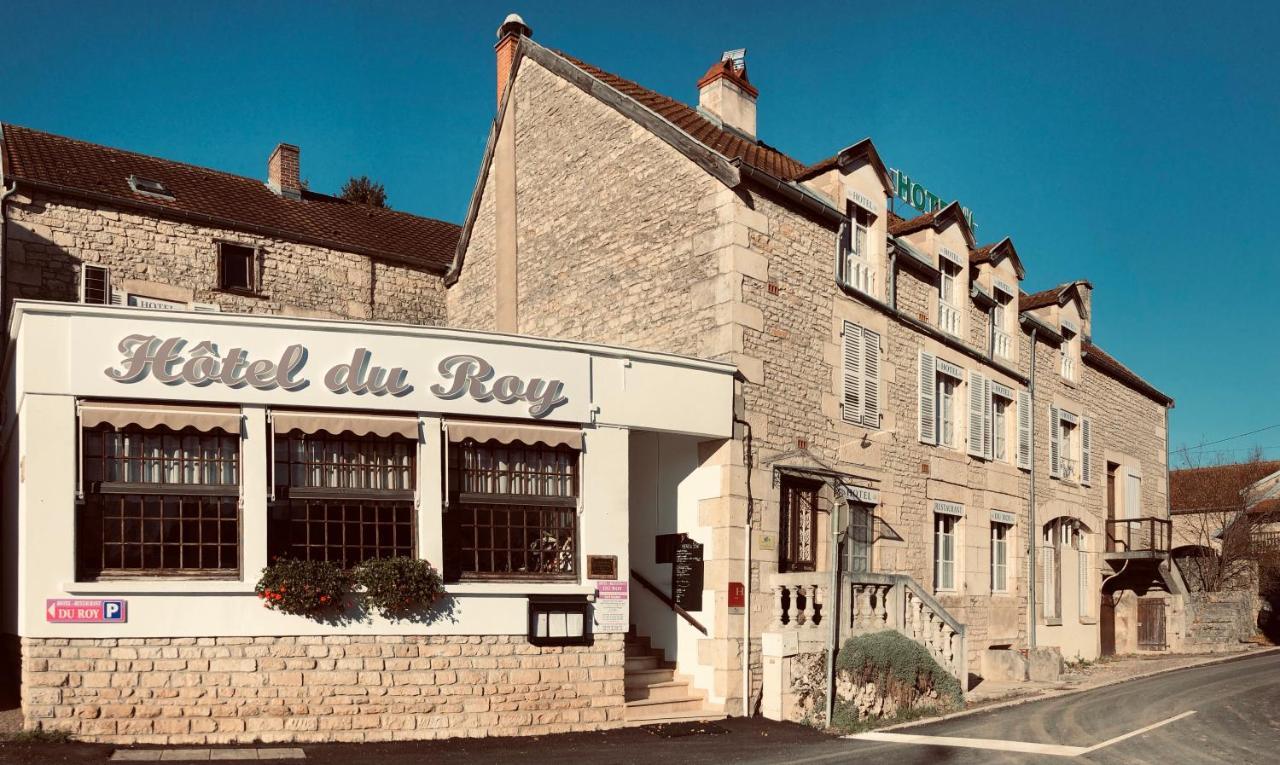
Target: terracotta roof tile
{"points": [[728, 143], [1039, 299], [900, 226], [1105, 363], [1217, 487], [80, 167]]}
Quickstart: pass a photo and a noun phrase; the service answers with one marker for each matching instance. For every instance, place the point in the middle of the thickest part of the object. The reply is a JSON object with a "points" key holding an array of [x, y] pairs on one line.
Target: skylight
{"points": [[149, 187]]}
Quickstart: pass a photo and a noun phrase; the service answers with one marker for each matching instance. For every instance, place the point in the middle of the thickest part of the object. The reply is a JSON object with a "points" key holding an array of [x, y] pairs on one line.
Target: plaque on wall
{"points": [[602, 567], [686, 575]]}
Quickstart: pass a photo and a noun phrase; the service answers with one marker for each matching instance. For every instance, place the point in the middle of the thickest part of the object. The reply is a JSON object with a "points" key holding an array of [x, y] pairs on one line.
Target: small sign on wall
{"points": [[768, 541], [611, 607], [737, 598], [83, 611], [602, 567]]}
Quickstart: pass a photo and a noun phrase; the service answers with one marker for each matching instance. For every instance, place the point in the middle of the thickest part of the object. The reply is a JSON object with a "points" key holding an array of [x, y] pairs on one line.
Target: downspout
{"points": [[5, 192], [746, 570], [833, 639], [1032, 536]]}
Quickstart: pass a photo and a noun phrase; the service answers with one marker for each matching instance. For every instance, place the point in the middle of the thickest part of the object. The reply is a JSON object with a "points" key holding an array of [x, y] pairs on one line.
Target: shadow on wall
{"points": [[35, 266]]}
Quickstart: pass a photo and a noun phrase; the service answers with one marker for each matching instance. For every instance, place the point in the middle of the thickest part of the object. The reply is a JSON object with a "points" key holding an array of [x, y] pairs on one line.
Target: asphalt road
{"points": [[1235, 719]]}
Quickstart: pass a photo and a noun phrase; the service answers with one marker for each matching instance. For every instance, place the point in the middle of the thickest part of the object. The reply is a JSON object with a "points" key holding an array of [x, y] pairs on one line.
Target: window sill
{"points": [[241, 292], [518, 588], [1054, 621], [160, 587], [1088, 620]]}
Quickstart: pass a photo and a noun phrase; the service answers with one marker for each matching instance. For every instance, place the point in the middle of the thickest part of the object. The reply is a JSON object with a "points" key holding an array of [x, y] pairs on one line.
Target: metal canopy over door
{"points": [[1151, 624]]}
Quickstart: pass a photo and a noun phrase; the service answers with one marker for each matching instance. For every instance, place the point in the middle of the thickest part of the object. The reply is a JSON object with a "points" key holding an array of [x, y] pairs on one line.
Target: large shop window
{"points": [[160, 492], [513, 503], [344, 488]]}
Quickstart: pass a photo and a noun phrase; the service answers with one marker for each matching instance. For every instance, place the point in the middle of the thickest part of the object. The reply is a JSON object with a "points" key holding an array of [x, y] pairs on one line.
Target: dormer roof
{"points": [[1054, 296], [863, 149], [937, 220], [994, 253]]}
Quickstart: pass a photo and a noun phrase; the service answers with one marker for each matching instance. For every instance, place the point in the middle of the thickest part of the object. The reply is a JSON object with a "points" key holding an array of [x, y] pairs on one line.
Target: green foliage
{"points": [[398, 586], [845, 717], [364, 191], [902, 671], [304, 587]]}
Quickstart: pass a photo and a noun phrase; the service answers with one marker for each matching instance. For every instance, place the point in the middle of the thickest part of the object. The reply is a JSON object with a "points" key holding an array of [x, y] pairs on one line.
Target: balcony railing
{"points": [[1139, 537], [1069, 368], [1070, 469], [1001, 344], [948, 319]]}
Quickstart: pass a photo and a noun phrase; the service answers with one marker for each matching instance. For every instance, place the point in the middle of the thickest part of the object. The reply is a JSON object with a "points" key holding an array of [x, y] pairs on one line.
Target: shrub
{"points": [[906, 677], [304, 587], [398, 586]]}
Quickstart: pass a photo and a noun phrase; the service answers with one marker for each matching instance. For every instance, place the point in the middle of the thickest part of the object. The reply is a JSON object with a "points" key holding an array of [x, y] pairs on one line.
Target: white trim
{"points": [[1003, 286], [951, 370], [943, 507], [1003, 391], [861, 200], [1000, 516], [947, 254]]}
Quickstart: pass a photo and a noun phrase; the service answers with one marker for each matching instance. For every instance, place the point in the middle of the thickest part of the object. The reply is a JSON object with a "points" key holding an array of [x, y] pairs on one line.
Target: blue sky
{"points": [[1132, 144]]}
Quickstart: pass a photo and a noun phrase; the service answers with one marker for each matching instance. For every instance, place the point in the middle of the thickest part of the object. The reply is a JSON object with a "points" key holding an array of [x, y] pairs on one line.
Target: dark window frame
{"points": [[346, 524], [163, 524], [253, 287], [792, 492], [535, 496]]}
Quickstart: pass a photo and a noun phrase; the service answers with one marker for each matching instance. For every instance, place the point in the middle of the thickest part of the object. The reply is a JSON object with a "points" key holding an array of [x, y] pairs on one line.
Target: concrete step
{"points": [[639, 663], [671, 691], [638, 717], [665, 706], [646, 677]]}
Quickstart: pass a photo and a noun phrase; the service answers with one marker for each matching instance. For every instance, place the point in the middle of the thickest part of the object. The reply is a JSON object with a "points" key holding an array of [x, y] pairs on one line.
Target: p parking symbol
{"points": [[113, 610]]}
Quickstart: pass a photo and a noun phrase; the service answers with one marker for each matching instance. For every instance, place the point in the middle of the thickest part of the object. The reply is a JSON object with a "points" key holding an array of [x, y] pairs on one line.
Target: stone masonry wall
{"points": [[335, 688], [49, 237]]}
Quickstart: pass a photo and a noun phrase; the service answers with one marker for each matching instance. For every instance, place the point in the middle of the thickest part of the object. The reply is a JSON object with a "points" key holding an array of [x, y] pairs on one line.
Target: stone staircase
{"points": [[656, 694]]}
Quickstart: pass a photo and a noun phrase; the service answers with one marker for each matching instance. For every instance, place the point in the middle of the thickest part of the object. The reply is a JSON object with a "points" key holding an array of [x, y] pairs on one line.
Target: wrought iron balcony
{"points": [[1148, 537]]}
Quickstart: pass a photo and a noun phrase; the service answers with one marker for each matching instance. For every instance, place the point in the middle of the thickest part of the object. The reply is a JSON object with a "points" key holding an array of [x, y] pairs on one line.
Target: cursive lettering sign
{"points": [[359, 377], [164, 360], [470, 376]]}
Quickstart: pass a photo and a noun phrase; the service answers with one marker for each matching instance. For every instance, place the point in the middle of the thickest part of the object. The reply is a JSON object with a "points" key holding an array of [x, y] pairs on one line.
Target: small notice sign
{"points": [[686, 575], [611, 607], [737, 598], [83, 611]]}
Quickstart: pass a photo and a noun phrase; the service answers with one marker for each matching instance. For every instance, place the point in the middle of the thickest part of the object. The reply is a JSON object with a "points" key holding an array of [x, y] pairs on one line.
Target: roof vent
{"points": [[149, 187]]}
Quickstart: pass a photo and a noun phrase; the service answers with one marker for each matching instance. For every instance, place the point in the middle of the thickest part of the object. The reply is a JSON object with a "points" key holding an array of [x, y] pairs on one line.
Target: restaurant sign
{"points": [[921, 198]]}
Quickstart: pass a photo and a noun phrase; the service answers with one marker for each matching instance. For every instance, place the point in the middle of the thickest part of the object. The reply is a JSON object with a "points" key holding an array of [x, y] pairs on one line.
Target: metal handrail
{"points": [[1160, 540], [674, 606]]}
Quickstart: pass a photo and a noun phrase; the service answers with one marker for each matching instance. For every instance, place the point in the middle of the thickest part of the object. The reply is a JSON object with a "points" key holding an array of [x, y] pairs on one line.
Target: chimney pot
{"points": [[725, 93], [509, 34], [284, 175]]}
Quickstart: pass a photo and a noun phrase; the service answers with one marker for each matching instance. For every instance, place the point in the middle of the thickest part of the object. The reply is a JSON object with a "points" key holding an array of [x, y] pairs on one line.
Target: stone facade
{"points": [[332, 688], [49, 237]]}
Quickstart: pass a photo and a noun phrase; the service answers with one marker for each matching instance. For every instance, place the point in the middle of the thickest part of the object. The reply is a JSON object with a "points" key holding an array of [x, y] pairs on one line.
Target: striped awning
{"points": [[507, 432], [172, 416], [334, 423]]}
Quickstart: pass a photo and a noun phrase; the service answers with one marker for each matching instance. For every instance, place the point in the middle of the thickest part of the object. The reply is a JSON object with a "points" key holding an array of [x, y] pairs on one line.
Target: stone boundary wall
{"points": [[1221, 620], [318, 689]]}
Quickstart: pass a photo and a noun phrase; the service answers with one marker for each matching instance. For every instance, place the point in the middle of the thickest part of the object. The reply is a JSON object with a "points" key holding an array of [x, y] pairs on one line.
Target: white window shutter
{"points": [[1086, 451], [95, 285], [1055, 445], [988, 436], [976, 413], [852, 407], [871, 378], [928, 409], [1083, 570], [1024, 430]]}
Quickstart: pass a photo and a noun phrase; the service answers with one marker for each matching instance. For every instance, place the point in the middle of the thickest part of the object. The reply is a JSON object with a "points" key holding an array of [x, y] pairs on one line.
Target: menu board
{"points": [[686, 575]]}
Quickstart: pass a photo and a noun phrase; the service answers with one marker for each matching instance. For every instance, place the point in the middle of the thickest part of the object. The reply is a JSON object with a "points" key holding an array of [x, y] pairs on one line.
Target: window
{"points": [[343, 498], [237, 267], [513, 511], [946, 411], [948, 298], [158, 502], [1069, 467], [861, 404], [798, 524], [1132, 495], [1070, 446], [860, 538], [150, 187], [1070, 353], [1085, 577], [1001, 340], [95, 285], [999, 557], [1060, 536], [856, 270], [1000, 428], [944, 552]]}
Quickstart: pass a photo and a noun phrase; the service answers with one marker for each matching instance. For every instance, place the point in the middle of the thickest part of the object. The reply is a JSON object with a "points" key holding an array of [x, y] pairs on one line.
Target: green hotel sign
{"points": [[919, 197]]}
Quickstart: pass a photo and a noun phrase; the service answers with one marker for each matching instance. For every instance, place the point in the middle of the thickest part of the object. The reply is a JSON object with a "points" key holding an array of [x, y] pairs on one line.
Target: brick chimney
{"points": [[283, 173], [725, 93], [509, 34]]}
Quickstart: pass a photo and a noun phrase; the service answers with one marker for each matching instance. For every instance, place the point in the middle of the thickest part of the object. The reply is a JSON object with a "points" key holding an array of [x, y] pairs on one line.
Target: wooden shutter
{"points": [[1086, 451], [928, 384], [977, 416], [1055, 445], [988, 436], [95, 285], [1083, 575], [871, 378], [851, 409], [1024, 430]]}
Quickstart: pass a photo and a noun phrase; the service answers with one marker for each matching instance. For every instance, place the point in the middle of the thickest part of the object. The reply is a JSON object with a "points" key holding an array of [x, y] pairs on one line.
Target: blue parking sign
{"points": [[113, 611]]}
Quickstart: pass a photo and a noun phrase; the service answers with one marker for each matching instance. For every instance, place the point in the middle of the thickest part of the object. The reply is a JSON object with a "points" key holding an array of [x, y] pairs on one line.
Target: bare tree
{"points": [[364, 191]]}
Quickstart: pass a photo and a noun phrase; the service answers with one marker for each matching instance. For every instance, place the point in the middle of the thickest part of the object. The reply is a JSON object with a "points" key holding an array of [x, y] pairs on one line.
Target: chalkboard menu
{"points": [[686, 575]]}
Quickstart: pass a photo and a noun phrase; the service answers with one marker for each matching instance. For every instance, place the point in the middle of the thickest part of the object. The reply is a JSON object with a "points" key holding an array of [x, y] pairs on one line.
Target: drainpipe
{"points": [[746, 570], [833, 638], [1032, 529], [891, 281], [4, 234]]}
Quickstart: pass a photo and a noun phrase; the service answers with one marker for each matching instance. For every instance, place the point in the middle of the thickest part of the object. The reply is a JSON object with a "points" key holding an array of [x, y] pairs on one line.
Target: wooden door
{"points": [[1151, 624], [798, 525], [1111, 506], [1107, 624]]}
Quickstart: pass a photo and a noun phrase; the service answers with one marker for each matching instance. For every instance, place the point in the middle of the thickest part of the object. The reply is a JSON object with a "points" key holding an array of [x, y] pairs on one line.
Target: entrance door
{"points": [[798, 525], [1107, 624], [1151, 624]]}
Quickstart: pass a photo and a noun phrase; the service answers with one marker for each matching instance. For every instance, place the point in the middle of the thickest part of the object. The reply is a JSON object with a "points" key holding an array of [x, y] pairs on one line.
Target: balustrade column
{"points": [[779, 613], [811, 607]]}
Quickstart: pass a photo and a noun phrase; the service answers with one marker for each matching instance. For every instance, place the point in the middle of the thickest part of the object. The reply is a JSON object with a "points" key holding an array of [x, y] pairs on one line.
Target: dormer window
{"points": [[856, 270], [1001, 340], [1070, 352], [949, 297], [150, 187]]}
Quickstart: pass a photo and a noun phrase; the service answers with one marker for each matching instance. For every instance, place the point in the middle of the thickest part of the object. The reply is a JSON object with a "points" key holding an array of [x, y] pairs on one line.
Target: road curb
{"points": [[1054, 694]]}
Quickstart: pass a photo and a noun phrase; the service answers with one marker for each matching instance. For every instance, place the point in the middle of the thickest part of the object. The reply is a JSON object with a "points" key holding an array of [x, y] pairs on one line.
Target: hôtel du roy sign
{"points": [[360, 375]]}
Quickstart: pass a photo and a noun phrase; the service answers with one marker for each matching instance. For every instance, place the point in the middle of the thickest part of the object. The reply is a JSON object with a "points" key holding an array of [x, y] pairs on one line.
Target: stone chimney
{"points": [[509, 34], [283, 172], [725, 93]]}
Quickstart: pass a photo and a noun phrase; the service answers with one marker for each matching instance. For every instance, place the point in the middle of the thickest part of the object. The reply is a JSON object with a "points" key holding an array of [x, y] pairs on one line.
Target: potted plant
{"points": [[398, 586], [304, 587]]}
